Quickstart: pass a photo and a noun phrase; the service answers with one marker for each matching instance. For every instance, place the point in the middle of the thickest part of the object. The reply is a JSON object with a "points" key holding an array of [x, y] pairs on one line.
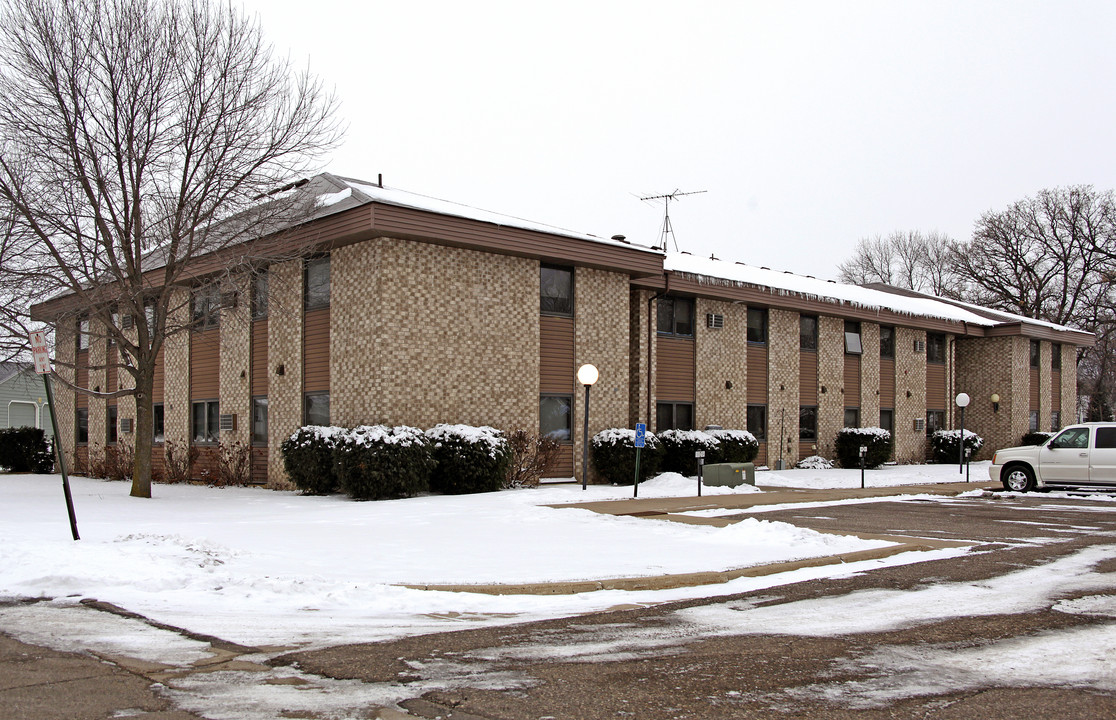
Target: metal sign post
{"points": [[640, 442], [41, 352], [863, 452], [700, 455]]}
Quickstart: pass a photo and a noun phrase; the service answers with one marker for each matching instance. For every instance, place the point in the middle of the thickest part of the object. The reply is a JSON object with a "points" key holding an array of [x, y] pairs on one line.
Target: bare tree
{"points": [[137, 136], [906, 259]]}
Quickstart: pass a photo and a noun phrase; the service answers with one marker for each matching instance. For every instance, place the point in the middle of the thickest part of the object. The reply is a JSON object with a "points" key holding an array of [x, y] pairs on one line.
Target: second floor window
{"points": [[676, 316], [887, 342], [260, 293], [852, 340], [1036, 354], [316, 293], [935, 348], [1056, 357], [808, 332], [757, 325], [205, 306], [556, 291]]}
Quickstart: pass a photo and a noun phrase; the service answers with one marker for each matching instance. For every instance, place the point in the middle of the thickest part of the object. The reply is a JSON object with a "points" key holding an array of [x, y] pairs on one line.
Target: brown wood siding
{"points": [[1035, 391], [205, 364], [808, 378], [757, 375], [806, 448], [852, 381], [563, 463], [157, 378], [936, 387], [674, 368], [259, 465], [887, 382], [81, 377], [205, 467], [315, 351], [157, 462], [112, 374], [761, 456], [556, 355], [81, 460], [259, 358], [1056, 390]]}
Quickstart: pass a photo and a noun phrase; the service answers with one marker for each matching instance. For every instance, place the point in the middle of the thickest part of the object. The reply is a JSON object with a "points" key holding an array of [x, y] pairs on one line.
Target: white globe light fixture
{"points": [[587, 374], [962, 402]]}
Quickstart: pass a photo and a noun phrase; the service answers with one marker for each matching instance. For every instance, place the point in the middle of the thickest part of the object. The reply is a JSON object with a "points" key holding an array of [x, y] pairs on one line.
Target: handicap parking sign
{"points": [[641, 435]]}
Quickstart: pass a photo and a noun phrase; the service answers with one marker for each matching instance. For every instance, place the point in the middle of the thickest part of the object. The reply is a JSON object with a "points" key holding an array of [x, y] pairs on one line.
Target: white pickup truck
{"points": [[1078, 456]]}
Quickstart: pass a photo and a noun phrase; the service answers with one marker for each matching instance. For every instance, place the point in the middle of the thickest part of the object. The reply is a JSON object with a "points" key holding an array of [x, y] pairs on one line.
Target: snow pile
{"points": [[814, 462], [369, 435]]}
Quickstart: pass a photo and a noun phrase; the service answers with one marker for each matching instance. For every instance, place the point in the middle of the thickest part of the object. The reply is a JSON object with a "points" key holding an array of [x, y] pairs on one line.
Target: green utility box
{"points": [[729, 474]]}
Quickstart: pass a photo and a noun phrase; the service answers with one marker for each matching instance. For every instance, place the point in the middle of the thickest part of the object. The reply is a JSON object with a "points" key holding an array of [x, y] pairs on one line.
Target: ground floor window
{"points": [[1033, 423], [935, 420], [110, 424], [556, 417], [1055, 420], [205, 421], [315, 409], [674, 416], [852, 417], [157, 432], [757, 421], [808, 423], [887, 419], [259, 421], [81, 424]]}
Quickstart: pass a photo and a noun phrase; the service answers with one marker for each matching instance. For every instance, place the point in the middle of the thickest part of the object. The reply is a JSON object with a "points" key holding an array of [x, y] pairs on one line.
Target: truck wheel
{"points": [[1018, 478]]}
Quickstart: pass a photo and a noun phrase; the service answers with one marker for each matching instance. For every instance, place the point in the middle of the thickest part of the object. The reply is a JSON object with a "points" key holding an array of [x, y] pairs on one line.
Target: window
{"points": [[887, 342], [757, 325], [556, 291], [1033, 421], [316, 276], [1036, 353], [1055, 420], [315, 409], [259, 421], [205, 421], [157, 432], [260, 295], [1106, 438], [808, 423], [556, 417], [935, 420], [676, 316], [808, 332], [852, 340], [110, 424], [852, 417], [1056, 357], [935, 348], [1075, 438], [757, 421], [83, 334], [205, 306], [82, 425], [674, 416], [887, 420]]}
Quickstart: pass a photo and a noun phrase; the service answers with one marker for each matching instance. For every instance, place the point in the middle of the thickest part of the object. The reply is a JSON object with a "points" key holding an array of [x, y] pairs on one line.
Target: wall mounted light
{"points": [[995, 402]]}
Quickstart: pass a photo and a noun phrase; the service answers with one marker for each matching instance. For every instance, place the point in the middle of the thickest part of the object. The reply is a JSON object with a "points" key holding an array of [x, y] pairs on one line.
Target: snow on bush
{"points": [[849, 441], [1037, 437], [679, 447], [946, 445], [814, 462], [613, 453], [308, 458], [734, 446], [376, 462], [468, 459]]}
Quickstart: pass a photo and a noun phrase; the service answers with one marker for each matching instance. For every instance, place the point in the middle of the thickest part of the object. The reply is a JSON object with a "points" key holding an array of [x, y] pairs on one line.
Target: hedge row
{"points": [[377, 462], [612, 452], [25, 449], [946, 445], [878, 442]]}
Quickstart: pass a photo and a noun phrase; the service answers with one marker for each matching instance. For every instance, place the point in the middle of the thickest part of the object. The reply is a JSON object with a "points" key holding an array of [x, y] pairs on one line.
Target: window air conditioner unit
{"points": [[126, 322], [125, 425], [227, 423], [920, 424], [714, 320], [920, 346]]}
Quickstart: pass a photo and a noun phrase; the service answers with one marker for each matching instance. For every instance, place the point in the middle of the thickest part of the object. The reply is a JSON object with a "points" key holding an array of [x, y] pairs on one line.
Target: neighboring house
{"points": [[23, 397], [402, 309]]}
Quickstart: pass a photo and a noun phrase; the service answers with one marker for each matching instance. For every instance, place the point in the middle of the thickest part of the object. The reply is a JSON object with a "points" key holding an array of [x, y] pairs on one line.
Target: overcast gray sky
{"points": [[809, 124]]}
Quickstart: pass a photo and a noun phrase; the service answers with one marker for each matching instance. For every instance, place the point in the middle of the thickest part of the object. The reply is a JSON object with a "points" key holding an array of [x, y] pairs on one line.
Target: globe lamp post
{"points": [[587, 374]]}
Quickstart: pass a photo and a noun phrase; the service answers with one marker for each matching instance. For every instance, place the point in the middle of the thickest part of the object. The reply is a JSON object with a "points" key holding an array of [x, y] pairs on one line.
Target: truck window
{"points": [[1076, 438], [1106, 437]]}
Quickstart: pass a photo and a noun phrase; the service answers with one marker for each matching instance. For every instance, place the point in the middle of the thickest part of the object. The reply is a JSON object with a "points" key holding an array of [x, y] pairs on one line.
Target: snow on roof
{"points": [[372, 192], [787, 283]]}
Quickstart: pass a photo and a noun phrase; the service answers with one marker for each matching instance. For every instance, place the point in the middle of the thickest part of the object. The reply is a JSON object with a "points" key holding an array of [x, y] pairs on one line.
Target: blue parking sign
{"points": [[641, 435]]}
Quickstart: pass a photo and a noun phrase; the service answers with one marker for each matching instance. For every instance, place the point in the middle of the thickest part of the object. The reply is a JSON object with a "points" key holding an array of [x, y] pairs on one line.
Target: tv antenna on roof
{"points": [[668, 229]]}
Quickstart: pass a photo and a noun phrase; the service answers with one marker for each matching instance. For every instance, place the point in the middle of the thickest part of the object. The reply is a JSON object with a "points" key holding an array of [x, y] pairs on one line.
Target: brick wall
{"points": [[65, 347], [176, 364], [831, 379], [1069, 384], [284, 348], [983, 369], [98, 382], [235, 358], [870, 375], [1020, 406], [910, 395], [642, 323], [782, 386], [1045, 380], [601, 338], [721, 361]]}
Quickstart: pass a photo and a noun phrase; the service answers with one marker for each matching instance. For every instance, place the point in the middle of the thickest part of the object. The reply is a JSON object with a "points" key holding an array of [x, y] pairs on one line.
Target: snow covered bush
{"points": [[24, 449], [735, 446], [468, 459], [1036, 437], [814, 462], [849, 441], [532, 456], [613, 454], [679, 447], [946, 445], [376, 462], [308, 458]]}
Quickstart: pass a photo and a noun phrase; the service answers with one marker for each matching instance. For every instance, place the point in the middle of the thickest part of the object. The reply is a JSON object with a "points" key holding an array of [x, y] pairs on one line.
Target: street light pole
{"points": [[587, 374]]}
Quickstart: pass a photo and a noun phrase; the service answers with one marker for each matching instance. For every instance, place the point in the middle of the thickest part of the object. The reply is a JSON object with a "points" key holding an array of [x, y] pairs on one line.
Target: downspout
{"points": [[650, 339]]}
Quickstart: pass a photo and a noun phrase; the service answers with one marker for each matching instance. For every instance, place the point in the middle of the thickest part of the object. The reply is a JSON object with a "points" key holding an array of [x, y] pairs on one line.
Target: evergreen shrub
{"points": [[735, 446], [25, 449], [376, 462], [1036, 438], [308, 458], [679, 447], [946, 445], [613, 454], [468, 459], [849, 441]]}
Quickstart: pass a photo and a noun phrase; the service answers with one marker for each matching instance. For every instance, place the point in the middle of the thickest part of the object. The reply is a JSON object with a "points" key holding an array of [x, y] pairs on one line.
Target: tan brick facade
{"points": [[1069, 384], [176, 382], [236, 345], [641, 361], [98, 376], [783, 348], [284, 360], [910, 395], [721, 372], [870, 375], [65, 399], [831, 380]]}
